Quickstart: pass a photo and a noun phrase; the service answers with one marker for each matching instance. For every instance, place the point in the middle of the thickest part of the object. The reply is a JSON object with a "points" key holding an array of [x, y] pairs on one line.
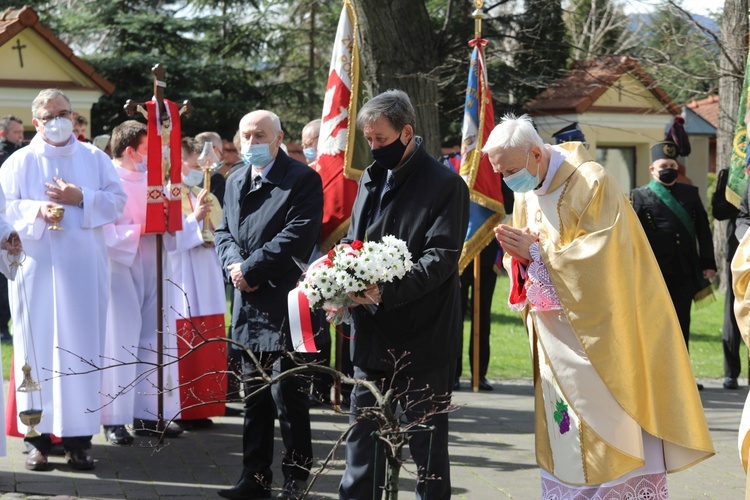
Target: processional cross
{"points": [[164, 136]]}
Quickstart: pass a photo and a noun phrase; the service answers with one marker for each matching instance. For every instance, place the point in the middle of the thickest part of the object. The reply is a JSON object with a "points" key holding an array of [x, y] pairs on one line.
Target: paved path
{"points": [[492, 450]]}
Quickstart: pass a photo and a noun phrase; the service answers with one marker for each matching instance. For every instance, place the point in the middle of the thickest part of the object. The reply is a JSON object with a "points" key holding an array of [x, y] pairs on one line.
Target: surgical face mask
{"points": [[389, 156], [668, 176], [257, 155], [192, 178], [522, 181], [58, 130], [140, 166], [310, 153]]}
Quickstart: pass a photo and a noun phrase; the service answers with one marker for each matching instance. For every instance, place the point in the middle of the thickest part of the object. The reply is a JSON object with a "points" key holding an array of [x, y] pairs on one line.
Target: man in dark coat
{"points": [[676, 225], [273, 210], [410, 343], [731, 338]]}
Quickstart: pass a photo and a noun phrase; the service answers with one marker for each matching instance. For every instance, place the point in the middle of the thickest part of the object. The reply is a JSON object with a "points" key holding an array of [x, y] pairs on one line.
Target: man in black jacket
{"points": [[273, 210], [676, 225], [410, 342], [731, 338]]}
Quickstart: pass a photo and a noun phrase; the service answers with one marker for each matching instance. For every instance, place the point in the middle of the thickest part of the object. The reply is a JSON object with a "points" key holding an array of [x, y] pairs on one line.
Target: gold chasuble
{"points": [[613, 362], [741, 284]]}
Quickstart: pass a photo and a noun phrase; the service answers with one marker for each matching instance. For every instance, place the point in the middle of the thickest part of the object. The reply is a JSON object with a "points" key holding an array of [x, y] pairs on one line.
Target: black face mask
{"points": [[388, 157], [668, 175]]}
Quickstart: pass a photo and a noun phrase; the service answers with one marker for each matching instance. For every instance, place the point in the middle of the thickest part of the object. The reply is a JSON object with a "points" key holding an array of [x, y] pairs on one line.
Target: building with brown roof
{"points": [[32, 58], [702, 119], [622, 111]]}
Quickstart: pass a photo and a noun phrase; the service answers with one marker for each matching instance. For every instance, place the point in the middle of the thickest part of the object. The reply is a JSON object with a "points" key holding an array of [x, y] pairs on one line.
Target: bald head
{"points": [[261, 127]]}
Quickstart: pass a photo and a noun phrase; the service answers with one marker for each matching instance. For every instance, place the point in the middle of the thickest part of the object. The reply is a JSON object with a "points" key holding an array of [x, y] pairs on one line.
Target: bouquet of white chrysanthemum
{"points": [[349, 269]]}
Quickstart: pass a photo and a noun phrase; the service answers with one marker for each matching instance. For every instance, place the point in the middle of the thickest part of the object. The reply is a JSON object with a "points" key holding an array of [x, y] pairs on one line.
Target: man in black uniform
{"points": [[677, 228]]}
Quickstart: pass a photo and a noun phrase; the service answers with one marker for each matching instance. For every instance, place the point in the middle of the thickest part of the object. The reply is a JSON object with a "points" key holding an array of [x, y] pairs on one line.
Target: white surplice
{"points": [[62, 307], [132, 315]]}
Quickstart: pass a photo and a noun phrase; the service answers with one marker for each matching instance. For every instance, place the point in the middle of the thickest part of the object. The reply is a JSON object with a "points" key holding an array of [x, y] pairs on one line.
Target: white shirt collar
{"points": [[263, 172], [557, 156]]}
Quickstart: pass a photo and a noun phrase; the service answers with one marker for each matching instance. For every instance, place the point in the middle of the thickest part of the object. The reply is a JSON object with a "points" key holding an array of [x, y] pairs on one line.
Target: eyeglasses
{"points": [[62, 114]]}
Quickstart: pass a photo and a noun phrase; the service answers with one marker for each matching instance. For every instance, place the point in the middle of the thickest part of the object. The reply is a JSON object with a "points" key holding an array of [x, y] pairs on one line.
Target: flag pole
{"points": [[476, 294]]}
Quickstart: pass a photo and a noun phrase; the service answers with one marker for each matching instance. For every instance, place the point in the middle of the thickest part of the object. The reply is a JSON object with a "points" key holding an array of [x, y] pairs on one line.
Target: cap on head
{"points": [[569, 134], [665, 150]]}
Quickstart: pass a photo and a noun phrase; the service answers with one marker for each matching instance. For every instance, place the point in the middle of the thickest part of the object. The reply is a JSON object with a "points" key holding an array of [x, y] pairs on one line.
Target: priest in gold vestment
{"points": [[741, 285], [616, 405]]}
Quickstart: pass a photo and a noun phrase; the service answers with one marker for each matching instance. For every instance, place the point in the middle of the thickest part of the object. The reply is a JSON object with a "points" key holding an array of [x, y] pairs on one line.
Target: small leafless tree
{"points": [[393, 429]]}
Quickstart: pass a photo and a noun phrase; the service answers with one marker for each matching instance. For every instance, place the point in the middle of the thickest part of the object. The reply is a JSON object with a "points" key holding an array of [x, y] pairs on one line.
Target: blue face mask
{"points": [[257, 155], [310, 153], [192, 178], [141, 166], [522, 181]]}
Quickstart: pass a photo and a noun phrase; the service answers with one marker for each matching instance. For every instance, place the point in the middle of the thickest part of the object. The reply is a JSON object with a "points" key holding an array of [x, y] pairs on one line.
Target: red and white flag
{"points": [[338, 132]]}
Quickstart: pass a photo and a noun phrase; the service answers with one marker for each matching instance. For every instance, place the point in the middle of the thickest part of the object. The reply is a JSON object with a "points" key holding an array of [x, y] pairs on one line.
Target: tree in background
{"points": [[542, 54], [232, 56], [599, 28], [680, 52]]}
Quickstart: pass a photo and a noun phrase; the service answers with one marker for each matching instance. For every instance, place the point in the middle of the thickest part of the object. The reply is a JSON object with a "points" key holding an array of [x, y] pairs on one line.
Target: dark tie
{"points": [[389, 183], [257, 180]]}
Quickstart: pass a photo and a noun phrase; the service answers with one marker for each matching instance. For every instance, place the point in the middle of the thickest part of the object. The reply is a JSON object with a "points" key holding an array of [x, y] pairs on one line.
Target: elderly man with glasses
{"points": [[62, 300]]}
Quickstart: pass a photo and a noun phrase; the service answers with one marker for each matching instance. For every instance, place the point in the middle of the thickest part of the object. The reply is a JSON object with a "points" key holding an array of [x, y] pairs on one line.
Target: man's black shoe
{"points": [[456, 385], [484, 385], [292, 490], [246, 488], [148, 428], [731, 383], [79, 459], [700, 386], [117, 434], [233, 412]]}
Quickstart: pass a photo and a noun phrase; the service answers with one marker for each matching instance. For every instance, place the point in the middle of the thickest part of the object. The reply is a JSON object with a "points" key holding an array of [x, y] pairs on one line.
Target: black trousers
{"points": [[487, 282], [4, 304], [288, 400], [321, 382], [421, 395], [681, 292], [43, 442], [730, 332]]}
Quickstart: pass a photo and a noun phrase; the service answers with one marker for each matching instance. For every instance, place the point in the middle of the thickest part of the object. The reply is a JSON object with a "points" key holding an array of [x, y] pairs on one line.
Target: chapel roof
{"points": [[13, 21], [587, 80]]}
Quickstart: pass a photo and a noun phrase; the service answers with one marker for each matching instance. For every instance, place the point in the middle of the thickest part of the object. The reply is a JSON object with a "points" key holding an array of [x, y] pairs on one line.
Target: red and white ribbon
{"points": [[300, 321]]}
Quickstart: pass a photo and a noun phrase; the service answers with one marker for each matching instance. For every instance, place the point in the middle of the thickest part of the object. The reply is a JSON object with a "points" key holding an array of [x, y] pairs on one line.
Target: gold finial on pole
{"points": [[478, 15]]}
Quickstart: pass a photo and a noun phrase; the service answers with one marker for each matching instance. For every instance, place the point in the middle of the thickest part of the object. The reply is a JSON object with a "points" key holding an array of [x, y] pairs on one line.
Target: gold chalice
{"points": [[31, 418], [57, 213]]}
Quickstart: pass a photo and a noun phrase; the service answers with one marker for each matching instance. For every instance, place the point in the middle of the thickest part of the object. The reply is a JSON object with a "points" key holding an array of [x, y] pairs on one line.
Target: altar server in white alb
{"points": [[66, 273], [132, 312], [198, 298]]}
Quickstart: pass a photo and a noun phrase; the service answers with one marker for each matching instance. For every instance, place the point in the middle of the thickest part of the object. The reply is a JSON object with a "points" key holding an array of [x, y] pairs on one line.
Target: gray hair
{"points": [[44, 97], [211, 137], [5, 122], [313, 128], [513, 132], [392, 104]]}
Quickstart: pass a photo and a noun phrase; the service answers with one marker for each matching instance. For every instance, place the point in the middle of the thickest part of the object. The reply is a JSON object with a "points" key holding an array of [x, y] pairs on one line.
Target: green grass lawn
{"points": [[509, 352]]}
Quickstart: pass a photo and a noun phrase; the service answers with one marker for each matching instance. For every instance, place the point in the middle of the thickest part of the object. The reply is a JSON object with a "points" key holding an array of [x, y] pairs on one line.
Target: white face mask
{"points": [[192, 178], [58, 130], [140, 166]]}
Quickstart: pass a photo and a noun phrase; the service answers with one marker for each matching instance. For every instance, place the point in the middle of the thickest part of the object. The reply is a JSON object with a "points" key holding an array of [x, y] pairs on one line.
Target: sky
{"points": [[703, 7]]}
